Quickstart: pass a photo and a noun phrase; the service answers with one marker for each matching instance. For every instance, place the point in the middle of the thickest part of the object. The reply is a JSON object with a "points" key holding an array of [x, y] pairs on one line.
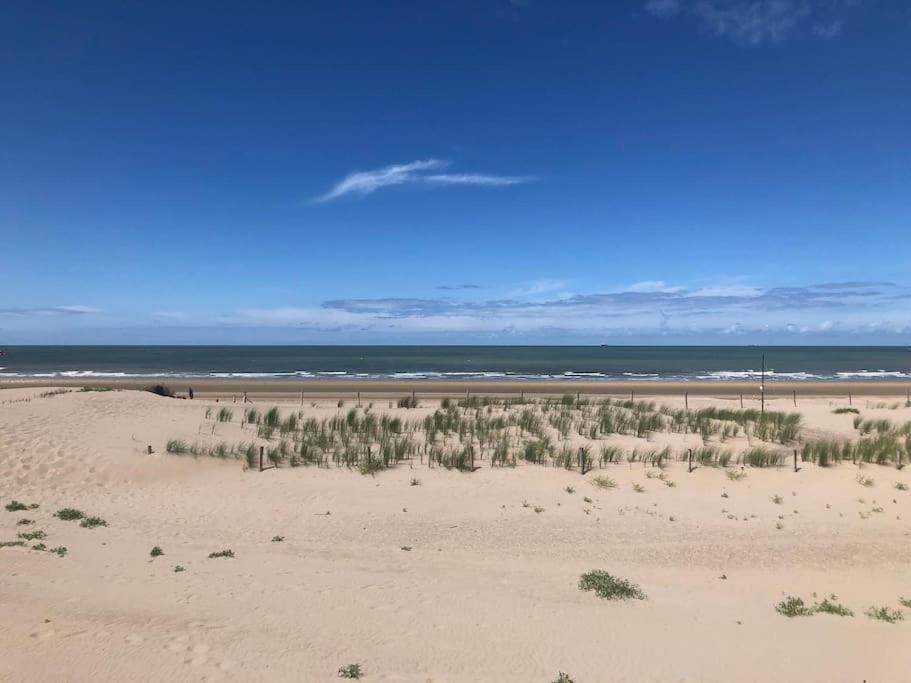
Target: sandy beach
{"points": [[419, 573]]}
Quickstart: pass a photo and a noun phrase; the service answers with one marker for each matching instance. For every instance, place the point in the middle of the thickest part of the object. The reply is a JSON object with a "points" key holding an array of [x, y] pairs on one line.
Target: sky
{"points": [[482, 171]]}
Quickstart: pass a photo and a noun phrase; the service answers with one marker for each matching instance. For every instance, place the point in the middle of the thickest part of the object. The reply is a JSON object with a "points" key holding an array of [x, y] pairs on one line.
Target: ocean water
{"points": [[594, 363]]}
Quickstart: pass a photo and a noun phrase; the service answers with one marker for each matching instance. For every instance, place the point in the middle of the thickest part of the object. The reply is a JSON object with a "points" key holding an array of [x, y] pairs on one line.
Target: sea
{"points": [[529, 363]]}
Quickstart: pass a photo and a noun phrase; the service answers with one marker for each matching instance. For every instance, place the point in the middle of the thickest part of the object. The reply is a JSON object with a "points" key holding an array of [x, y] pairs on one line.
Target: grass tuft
{"points": [[221, 553], [69, 514], [890, 616], [16, 506], [156, 552], [610, 587], [793, 607], [92, 522], [602, 481], [352, 671]]}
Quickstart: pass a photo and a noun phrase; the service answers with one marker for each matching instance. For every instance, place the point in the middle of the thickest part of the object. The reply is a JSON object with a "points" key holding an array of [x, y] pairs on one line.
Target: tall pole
{"points": [[762, 386]]}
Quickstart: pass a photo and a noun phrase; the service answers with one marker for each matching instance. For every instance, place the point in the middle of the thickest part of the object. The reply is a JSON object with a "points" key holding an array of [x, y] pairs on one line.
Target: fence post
{"points": [[686, 399], [358, 399], [150, 452], [741, 400], [261, 449], [690, 456], [850, 402], [795, 399], [795, 459]]}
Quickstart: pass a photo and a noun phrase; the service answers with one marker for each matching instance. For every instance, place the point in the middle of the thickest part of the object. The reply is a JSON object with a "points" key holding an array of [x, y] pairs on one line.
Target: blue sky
{"points": [[663, 171]]}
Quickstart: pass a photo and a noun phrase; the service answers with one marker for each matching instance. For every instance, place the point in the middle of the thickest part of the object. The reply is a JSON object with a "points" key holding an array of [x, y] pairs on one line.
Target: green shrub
{"points": [[69, 514], [610, 587]]}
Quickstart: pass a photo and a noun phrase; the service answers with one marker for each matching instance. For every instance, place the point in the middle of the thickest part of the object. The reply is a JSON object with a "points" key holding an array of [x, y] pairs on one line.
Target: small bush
{"points": [[351, 671], [610, 587], [793, 607], [778, 500], [11, 544], [563, 678], [92, 522], [69, 514], [156, 552], [278, 539], [864, 481], [178, 569], [830, 605], [602, 481], [638, 488], [842, 411], [905, 602], [35, 535], [16, 506], [901, 486], [885, 614], [415, 481], [736, 475], [25, 522], [221, 553], [59, 550]]}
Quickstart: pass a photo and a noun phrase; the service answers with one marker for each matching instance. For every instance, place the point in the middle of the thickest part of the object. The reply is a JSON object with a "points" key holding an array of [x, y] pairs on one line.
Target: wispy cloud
{"points": [[363, 183], [50, 310], [455, 288], [655, 307], [754, 22]]}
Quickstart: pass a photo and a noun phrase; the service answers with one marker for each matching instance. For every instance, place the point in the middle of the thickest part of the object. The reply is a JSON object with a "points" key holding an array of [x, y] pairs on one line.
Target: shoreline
{"points": [[431, 388]]}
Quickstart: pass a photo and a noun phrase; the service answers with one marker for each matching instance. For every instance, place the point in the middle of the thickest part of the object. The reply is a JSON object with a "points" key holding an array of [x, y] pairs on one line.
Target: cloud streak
{"points": [[755, 22], [76, 310], [649, 308], [363, 183]]}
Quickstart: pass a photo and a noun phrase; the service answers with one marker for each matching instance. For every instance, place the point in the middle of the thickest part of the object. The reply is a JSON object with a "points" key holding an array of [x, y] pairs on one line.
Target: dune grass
{"points": [[610, 587]]}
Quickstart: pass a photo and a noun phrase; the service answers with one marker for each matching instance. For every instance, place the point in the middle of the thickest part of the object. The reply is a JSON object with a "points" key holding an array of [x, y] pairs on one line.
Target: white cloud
{"points": [[363, 183], [652, 286], [754, 22]]}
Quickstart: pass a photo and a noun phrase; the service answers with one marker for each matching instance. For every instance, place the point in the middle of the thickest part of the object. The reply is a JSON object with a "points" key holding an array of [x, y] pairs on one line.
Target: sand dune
{"points": [[488, 588]]}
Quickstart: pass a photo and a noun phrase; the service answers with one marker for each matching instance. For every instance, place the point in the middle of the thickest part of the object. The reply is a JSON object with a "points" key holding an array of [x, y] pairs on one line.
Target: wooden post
{"points": [[690, 458], [261, 449], [150, 452], [233, 398], [413, 399], [632, 397], [577, 397], [850, 402], [741, 400], [471, 450], [900, 465], [795, 459], [245, 397], [686, 399], [358, 399], [302, 399], [795, 399]]}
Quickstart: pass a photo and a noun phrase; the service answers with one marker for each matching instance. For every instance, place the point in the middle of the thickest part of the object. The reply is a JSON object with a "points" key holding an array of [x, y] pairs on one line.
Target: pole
{"points": [[686, 399], [741, 400], [795, 399], [690, 458], [261, 458], [795, 459], [762, 386]]}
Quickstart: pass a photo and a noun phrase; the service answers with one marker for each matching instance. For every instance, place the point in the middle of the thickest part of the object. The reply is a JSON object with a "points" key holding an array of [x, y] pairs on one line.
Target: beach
{"points": [[426, 573]]}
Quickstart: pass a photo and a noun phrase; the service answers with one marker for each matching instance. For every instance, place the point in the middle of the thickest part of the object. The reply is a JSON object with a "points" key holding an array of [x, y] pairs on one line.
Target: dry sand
{"points": [[488, 591]]}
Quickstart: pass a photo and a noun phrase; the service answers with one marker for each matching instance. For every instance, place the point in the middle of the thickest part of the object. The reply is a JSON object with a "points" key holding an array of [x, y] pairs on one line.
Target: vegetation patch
{"points": [[221, 553], [353, 671], [886, 614], [92, 522], [610, 587], [793, 607], [69, 514], [16, 506], [156, 552]]}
